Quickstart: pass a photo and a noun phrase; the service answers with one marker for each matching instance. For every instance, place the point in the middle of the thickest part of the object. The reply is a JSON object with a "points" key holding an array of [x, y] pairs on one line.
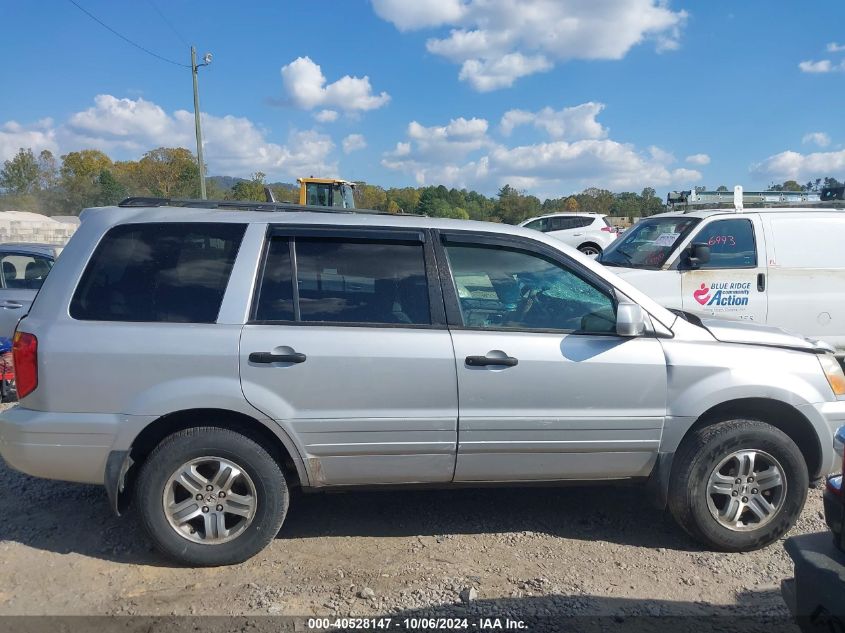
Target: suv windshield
{"points": [[648, 243]]}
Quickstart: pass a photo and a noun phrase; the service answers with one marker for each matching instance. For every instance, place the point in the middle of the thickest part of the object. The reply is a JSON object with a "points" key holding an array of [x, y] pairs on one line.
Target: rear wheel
{"points": [[589, 249], [210, 496], [738, 485]]}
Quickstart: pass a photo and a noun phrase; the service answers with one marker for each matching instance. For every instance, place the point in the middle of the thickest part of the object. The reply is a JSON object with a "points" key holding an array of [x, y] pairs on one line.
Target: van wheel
{"points": [[738, 485], [209, 496], [589, 249]]}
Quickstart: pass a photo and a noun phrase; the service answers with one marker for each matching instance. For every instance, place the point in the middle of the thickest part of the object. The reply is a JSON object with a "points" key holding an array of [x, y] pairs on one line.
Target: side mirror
{"points": [[698, 253], [630, 320]]}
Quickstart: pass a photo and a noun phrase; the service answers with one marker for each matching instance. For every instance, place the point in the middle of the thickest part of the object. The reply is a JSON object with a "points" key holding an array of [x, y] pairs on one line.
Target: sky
{"points": [[550, 96]]}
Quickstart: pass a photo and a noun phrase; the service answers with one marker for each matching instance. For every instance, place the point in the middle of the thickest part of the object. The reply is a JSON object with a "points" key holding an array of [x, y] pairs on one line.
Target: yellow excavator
{"points": [[326, 192]]}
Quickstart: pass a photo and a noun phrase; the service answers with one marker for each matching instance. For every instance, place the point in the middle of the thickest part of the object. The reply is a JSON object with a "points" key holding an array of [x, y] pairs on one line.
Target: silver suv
{"points": [[202, 362]]}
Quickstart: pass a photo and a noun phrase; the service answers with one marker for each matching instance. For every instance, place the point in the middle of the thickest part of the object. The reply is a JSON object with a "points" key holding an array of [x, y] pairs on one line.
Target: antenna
{"points": [[738, 198], [268, 194]]}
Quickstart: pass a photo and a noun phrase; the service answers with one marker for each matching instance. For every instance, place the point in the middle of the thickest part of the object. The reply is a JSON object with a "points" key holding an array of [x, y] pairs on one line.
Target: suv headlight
{"points": [[833, 371]]}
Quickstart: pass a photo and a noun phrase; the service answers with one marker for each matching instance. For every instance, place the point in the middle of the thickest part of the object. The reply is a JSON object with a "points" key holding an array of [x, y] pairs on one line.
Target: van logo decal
{"points": [[702, 295], [723, 294]]}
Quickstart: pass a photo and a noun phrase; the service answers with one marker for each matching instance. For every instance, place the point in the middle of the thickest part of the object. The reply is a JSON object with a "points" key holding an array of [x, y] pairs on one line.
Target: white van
{"points": [[780, 266]]}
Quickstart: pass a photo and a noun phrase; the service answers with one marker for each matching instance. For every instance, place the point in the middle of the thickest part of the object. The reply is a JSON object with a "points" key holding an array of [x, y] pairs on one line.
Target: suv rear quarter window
{"points": [[158, 272]]}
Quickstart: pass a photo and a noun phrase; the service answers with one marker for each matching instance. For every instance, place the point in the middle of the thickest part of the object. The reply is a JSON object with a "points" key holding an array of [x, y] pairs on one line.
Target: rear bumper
{"points": [[815, 595], [66, 446]]}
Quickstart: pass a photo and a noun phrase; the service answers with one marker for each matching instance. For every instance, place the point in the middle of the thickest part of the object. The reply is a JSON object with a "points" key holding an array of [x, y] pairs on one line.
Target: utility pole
{"points": [[194, 68]]}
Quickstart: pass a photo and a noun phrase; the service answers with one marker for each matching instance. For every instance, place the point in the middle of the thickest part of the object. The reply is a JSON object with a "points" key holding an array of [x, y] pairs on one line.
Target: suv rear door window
{"points": [[346, 280], [158, 272]]}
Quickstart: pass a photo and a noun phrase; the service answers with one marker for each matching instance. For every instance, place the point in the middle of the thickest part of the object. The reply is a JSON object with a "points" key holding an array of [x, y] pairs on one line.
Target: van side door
{"points": [[807, 273], [733, 283]]}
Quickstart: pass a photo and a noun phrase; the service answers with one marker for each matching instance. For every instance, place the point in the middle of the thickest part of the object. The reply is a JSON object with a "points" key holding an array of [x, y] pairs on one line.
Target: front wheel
{"points": [[738, 485], [210, 496]]}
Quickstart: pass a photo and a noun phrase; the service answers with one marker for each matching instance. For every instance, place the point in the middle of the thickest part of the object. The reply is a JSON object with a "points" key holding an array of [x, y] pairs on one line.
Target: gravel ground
{"points": [[534, 551]]}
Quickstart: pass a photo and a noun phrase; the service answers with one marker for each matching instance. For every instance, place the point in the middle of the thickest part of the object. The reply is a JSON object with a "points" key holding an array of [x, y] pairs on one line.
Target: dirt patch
{"points": [[563, 551]]}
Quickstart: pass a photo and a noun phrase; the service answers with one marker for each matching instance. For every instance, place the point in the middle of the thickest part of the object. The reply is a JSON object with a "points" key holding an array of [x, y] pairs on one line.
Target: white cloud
{"points": [[833, 47], [452, 142], [326, 116], [126, 128], [37, 136], [462, 154], [792, 165], [588, 162], [353, 143], [498, 41], [416, 15], [578, 122], [491, 74], [306, 87], [698, 159], [816, 138], [821, 66]]}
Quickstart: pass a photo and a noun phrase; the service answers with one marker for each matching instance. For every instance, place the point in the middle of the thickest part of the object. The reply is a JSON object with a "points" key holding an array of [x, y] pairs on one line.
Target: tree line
{"points": [[87, 178]]}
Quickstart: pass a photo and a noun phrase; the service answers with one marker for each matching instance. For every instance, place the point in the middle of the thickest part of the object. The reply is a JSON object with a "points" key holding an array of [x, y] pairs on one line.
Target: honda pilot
{"points": [[201, 361]]}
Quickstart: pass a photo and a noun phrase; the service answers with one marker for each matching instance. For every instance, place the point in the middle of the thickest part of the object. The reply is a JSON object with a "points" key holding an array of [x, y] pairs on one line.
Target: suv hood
{"points": [[754, 334]]}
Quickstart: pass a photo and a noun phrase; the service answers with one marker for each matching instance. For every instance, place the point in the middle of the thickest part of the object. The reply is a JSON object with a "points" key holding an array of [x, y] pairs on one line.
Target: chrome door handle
{"points": [[10, 305]]}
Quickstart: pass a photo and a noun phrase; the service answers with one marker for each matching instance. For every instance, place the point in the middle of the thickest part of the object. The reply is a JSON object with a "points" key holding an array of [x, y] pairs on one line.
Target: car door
{"points": [[22, 275], [565, 229], [547, 390], [355, 354], [733, 283]]}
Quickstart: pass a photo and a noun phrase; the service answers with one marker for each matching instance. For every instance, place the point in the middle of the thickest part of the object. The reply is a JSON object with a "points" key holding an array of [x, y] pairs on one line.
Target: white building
{"points": [[25, 226]]}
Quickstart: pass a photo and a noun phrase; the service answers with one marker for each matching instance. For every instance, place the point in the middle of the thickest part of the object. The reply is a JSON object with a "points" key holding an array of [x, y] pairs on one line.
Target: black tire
{"points": [[589, 248], [697, 458], [271, 495]]}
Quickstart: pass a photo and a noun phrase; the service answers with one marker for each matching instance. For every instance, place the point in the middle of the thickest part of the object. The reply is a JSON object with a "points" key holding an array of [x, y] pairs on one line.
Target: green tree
{"points": [[370, 197], [48, 170], [170, 172], [110, 190], [19, 175], [722, 188], [252, 189]]}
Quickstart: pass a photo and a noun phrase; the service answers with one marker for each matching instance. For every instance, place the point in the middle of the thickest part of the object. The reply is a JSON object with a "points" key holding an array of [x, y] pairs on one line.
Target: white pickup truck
{"points": [[779, 266]]}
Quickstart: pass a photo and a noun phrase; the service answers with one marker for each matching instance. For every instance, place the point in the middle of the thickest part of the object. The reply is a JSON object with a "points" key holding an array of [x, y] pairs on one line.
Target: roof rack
{"points": [[241, 205], [738, 198]]}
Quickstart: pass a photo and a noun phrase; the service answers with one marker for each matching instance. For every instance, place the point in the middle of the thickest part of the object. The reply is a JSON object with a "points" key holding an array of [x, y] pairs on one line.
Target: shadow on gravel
{"points": [[64, 517], [761, 612], [617, 514]]}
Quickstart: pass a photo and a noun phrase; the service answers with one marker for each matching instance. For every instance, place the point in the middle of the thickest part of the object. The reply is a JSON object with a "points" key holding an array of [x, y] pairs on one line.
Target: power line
{"points": [[168, 22], [126, 39]]}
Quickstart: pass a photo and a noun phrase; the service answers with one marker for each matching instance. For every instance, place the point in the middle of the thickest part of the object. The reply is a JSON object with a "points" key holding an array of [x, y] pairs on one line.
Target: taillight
{"points": [[25, 354], [834, 483], [608, 229]]}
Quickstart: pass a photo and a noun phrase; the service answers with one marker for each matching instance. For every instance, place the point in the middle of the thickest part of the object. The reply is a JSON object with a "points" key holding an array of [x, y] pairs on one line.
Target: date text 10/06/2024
{"points": [[416, 624]]}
